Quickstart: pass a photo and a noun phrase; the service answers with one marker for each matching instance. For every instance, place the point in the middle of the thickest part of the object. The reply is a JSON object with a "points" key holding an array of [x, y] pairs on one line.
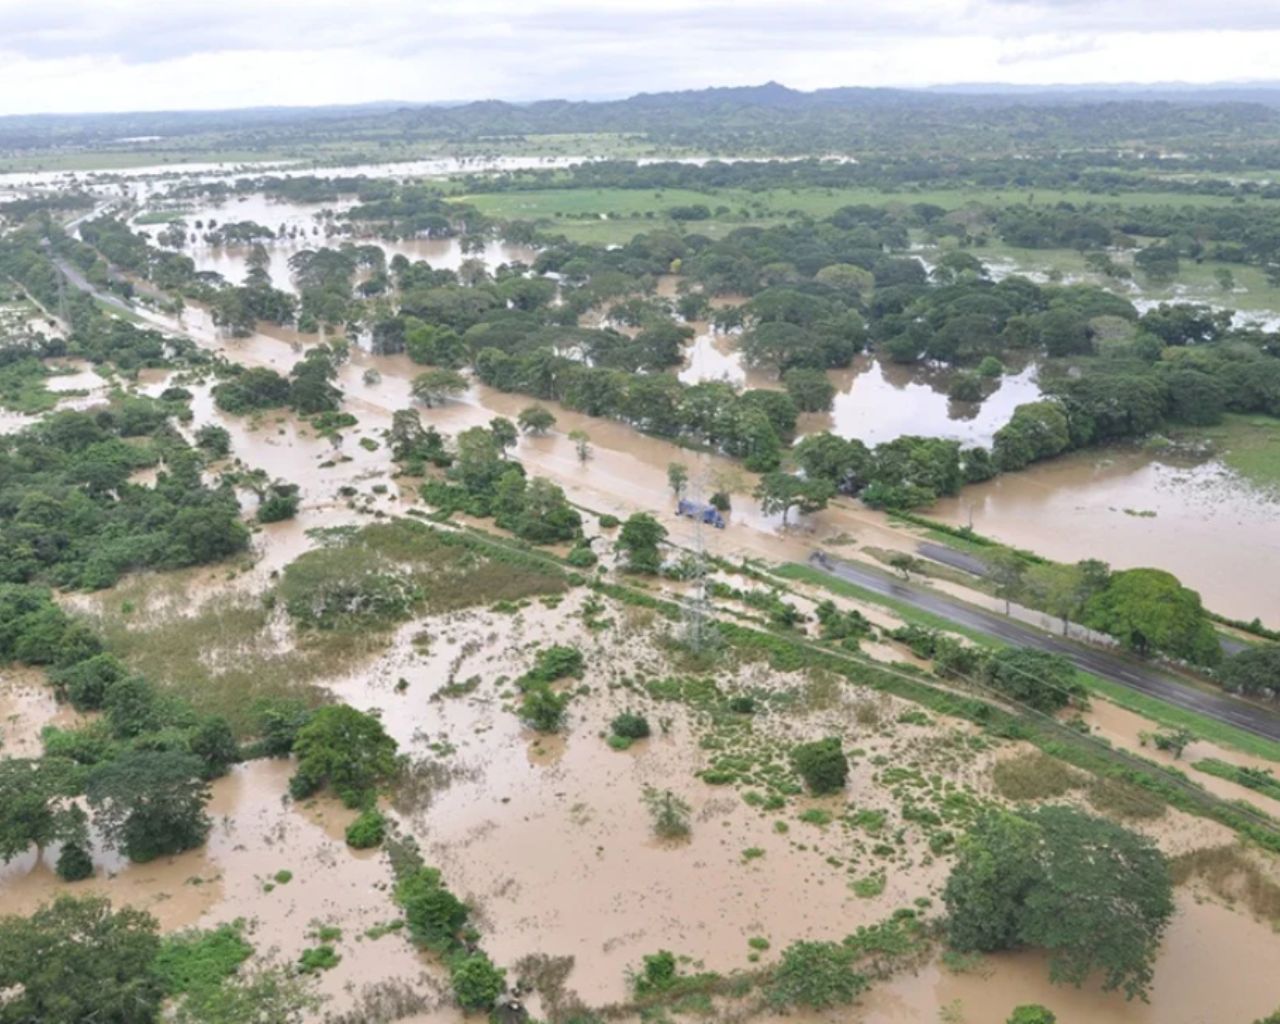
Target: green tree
{"points": [[346, 749], [846, 463], [1149, 610], [34, 807], [809, 388], [476, 982], [1254, 671], [435, 916], [1044, 681], [581, 445], [76, 961], [781, 492], [151, 803], [435, 387], [1094, 895], [822, 764], [677, 478], [536, 419], [1007, 570], [639, 539], [504, 433]]}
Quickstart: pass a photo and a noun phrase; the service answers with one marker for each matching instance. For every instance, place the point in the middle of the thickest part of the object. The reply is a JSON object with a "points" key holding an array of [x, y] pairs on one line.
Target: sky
{"points": [[95, 55]]}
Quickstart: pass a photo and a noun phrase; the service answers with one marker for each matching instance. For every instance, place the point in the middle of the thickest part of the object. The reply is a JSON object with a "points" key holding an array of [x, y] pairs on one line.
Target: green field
{"points": [[1250, 445]]}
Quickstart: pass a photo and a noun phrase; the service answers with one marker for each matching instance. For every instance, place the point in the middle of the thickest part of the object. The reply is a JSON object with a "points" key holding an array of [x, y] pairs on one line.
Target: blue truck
{"points": [[697, 510]]}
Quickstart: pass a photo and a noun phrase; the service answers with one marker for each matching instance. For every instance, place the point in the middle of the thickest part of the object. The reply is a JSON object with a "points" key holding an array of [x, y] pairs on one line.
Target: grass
{"points": [[1232, 874], [1121, 799], [1033, 776], [1251, 778], [197, 961], [225, 655], [1250, 445], [23, 387]]}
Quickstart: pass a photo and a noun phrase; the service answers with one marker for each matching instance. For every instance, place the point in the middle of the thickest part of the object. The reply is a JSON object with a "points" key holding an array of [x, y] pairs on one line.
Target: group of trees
{"points": [[309, 388], [482, 481], [73, 518], [144, 765]]}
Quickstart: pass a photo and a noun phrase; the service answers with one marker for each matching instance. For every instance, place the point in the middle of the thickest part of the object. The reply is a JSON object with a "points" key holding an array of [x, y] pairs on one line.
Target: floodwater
{"points": [[1215, 966], [1217, 534], [877, 400]]}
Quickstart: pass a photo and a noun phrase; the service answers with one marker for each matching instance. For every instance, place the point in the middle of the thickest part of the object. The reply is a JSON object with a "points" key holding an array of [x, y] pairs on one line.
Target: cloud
{"points": [[140, 54]]}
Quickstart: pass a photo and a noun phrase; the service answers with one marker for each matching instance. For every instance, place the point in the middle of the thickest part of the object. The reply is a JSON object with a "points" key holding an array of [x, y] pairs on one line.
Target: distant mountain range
{"points": [[740, 115]]}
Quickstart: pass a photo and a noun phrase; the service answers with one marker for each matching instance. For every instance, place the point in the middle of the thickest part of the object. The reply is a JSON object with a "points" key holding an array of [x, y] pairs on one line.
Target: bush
{"points": [[816, 976], [581, 557], [631, 726], [318, 958], [1031, 1013], [477, 983], [74, 863], [670, 813], [195, 961], [822, 765], [543, 709], [435, 916], [1046, 682], [368, 830]]}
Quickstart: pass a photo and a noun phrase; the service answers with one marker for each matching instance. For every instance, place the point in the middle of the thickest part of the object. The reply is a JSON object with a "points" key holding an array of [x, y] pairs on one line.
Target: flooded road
{"points": [[1131, 508]]}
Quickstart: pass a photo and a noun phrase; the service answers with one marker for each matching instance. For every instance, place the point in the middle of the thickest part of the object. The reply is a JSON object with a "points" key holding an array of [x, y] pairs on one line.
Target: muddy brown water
{"points": [[1217, 534], [549, 839]]}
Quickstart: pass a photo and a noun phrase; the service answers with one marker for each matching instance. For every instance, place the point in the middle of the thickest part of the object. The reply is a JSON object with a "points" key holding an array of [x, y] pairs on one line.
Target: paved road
{"points": [[1112, 666], [976, 567]]}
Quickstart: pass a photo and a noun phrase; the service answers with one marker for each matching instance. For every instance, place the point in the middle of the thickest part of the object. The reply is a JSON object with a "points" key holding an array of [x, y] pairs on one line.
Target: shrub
{"points": [[631, 726], [816, 976], [670, 813], [1031, 1013], [195, 961], [657, 975], [318, 958], [368, 830], [822, 765], [435, 915], [581, 557], [477, 983], [74, 863], [543, 709]]}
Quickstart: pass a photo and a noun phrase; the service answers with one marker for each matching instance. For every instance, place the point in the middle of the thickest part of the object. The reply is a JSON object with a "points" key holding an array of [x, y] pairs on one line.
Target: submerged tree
{"points": [[1096, 896]]}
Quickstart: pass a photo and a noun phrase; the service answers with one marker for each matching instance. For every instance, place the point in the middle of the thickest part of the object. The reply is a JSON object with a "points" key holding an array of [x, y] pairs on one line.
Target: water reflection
{"points": [[877, 401]]}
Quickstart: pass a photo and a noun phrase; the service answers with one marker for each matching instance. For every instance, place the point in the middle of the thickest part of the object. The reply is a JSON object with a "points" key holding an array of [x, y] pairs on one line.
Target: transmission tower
{"points": [[698, 628]]}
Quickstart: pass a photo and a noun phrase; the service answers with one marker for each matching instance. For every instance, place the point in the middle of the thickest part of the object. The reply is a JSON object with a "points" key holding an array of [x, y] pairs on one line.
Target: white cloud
{"points": [[69, 55]]}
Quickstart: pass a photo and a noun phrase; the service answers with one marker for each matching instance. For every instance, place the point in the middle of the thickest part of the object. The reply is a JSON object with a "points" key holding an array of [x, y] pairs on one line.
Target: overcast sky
{"points": [[72, 55]]}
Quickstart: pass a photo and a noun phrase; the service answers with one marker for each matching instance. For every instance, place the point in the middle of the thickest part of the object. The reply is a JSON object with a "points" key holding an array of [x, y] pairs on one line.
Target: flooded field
{"points": [[550, 838], [1132, 508]]}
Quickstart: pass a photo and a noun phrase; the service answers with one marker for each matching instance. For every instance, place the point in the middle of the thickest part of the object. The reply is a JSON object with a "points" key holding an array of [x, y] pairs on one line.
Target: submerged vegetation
{"points": [[455, 603]]}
